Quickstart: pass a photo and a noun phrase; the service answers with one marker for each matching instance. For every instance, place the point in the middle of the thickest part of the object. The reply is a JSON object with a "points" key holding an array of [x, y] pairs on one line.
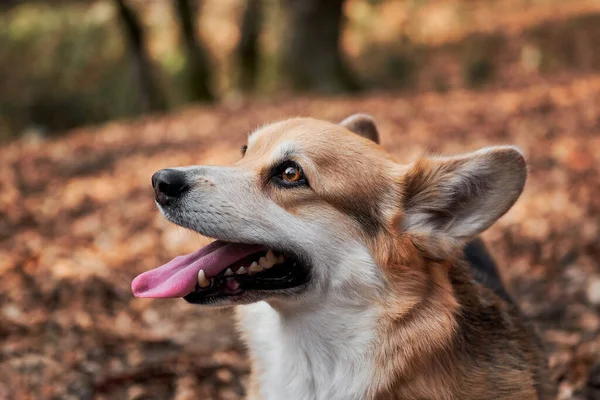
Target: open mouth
{"points": [[223, 271]]}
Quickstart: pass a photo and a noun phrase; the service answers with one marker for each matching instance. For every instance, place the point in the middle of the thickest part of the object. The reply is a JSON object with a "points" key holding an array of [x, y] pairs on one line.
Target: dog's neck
{"points": [[323, 350], [336, 345]]}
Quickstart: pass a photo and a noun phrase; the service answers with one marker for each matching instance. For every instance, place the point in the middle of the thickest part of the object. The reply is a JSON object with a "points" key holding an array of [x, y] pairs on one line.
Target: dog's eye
{"points": [[291, 174]]}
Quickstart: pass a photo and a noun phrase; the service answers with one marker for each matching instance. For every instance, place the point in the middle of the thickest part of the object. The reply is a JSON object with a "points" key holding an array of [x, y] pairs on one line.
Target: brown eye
{"points": [[288, 174], [291, 174]]}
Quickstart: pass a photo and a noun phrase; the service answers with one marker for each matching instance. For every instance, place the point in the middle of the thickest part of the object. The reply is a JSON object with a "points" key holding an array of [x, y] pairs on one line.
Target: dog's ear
{"points": [[363, 125], [455, 198]]}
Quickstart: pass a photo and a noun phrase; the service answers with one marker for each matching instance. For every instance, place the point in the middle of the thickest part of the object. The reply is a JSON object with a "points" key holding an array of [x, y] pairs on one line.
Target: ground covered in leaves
{"points": [[77, 223]]}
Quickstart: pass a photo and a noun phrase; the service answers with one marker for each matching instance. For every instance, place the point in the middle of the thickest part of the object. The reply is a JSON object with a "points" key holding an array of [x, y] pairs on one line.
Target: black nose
{"points": [[168, 184]]}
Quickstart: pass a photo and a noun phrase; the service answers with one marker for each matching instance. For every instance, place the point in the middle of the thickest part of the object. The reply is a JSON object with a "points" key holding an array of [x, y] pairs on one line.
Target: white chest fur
{"points": [[322, 353]]}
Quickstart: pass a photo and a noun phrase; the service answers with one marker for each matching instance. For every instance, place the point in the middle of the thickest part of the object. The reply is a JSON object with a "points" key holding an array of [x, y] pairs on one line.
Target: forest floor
{"points": [[77, 223]]}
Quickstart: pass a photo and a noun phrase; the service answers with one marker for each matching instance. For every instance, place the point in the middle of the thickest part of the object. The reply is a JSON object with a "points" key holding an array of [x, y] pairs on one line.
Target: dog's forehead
{"points": [[299, 135]]}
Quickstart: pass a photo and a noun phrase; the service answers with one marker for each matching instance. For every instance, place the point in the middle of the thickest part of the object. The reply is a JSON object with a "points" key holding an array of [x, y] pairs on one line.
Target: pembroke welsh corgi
{"points": [[354, 276]]}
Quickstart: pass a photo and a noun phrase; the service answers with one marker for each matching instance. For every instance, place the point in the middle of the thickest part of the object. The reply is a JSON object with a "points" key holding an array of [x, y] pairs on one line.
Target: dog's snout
{"points": [[168, 184]]}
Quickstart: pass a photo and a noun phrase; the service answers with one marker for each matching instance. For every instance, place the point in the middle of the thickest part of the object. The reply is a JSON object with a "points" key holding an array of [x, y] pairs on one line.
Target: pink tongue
{"points": [[178, 277]]}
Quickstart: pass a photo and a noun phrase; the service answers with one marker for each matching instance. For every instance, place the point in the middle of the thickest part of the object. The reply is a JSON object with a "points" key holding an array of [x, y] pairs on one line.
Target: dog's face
{"points": [[303, 214]]}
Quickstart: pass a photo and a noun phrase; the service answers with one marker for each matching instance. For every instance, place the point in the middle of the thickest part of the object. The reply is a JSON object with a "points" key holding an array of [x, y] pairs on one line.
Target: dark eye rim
{"points": [[276, 175], [244, 149]]}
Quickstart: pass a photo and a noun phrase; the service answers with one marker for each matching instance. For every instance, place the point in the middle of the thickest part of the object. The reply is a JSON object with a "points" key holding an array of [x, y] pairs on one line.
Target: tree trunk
{"points": [[247, 51], [151, 98], [312, 54], [198, 68]]}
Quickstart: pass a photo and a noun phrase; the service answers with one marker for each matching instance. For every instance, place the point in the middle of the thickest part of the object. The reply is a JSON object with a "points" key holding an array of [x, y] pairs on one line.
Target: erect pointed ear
{"points": [[455, 198], [363, 125]]}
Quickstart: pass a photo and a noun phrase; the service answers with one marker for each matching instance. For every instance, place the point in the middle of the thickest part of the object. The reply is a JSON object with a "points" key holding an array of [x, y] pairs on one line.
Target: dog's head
{"points": [[314, 209]]}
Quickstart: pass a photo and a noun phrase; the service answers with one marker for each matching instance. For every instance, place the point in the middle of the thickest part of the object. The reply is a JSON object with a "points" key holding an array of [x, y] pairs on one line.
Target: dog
{"points": [[354, 276]]}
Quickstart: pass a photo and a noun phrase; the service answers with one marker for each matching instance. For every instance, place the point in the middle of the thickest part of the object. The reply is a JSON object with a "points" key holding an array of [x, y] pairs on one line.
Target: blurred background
{"points": [[97, 95], [65, 64]]}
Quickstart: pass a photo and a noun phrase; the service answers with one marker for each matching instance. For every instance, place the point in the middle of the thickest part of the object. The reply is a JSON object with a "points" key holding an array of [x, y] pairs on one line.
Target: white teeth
{"points": [[266, 264], [271, 259], [241, 271], [254, 267], [202, 281], [228, 272]]}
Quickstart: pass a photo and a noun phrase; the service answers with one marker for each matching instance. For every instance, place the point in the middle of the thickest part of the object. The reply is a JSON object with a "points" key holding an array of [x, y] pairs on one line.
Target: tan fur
{"points": [[416, 354], [428, 347]]}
